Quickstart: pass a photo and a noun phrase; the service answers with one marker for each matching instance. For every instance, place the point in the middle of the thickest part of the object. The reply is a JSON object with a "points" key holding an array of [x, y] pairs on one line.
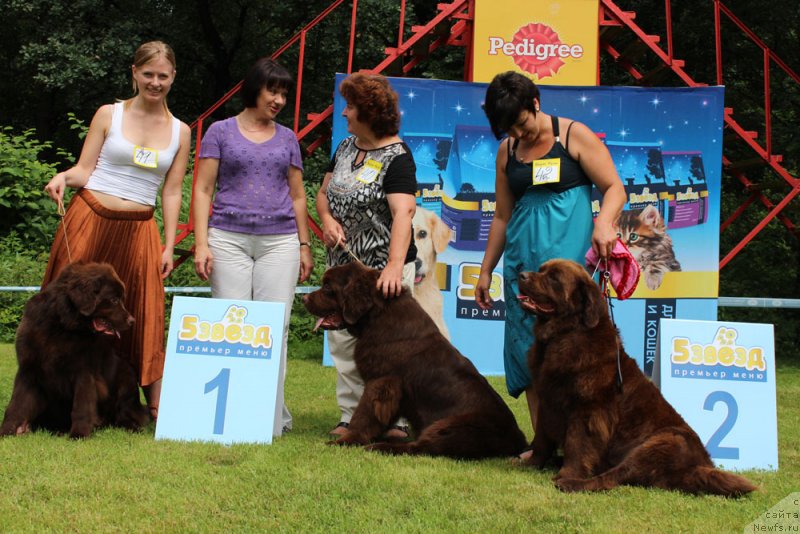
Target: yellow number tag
{"points": [[145, 157], [546, 171], [370, 171]]}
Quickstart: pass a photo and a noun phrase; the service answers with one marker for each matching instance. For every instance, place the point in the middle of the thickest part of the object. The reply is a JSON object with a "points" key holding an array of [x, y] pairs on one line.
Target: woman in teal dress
{"points": [[545, 169]]}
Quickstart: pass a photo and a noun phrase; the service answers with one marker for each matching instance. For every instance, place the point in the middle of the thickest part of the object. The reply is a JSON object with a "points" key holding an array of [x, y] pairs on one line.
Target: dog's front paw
{"points": [[570, 485], [348, 440], [133, 419], [15, 429], [381, 446], [80, 430], [537, 461], [393, 447]]}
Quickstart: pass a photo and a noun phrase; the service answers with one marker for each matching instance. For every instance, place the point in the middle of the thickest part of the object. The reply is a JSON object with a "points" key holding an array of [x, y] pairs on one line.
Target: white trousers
{"points": [[258, 267], [349, 384]]}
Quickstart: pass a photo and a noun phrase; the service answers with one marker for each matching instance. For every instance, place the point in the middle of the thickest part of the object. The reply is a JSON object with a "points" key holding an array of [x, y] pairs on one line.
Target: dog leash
{"points": [[604, 283], [62, 213], [347, 249]]}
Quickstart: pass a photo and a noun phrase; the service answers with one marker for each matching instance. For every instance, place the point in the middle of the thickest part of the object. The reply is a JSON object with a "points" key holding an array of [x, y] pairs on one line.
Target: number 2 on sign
{"points": [[723, 453], [220, 382]]}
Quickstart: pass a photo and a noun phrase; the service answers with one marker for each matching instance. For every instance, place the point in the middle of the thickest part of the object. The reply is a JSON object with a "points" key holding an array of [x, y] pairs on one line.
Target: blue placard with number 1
{"points": [[720, 376], [221, 371]]}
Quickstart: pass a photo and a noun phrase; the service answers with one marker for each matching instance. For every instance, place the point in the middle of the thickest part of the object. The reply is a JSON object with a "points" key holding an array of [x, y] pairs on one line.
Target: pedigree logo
{"points": [[537, 49]]}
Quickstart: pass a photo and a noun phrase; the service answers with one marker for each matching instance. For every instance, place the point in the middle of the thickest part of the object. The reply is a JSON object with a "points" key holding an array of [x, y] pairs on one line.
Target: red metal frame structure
{"points": [[452, 26], [612, 17]]}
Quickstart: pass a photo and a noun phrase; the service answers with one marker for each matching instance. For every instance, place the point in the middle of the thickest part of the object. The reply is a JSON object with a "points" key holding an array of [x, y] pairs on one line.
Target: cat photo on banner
{"points": [[644, 233]]}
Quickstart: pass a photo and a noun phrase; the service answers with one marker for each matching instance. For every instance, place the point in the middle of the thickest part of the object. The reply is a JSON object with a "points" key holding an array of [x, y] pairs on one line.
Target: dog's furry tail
{"points": [[722, 483]]}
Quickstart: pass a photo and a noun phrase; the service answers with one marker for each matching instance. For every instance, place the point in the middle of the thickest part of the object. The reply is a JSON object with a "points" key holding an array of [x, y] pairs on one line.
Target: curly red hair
{"points": [[375, 101]]}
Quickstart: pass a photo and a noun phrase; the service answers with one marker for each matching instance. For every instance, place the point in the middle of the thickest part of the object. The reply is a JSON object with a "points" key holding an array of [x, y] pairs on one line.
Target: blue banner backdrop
{"points": [[667, 146]]}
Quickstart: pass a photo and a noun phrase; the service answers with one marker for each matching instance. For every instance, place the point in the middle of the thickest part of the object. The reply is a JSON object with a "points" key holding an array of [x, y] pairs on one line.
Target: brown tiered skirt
{"points": [[129, 241]]}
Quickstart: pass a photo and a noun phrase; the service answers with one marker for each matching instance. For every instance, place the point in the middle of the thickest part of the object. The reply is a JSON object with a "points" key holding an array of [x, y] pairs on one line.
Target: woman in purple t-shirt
{"points": [[255, 245]]}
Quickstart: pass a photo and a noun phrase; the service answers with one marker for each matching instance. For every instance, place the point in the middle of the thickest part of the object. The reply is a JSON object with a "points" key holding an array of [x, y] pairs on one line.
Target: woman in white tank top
{"points": [[130, 149]]}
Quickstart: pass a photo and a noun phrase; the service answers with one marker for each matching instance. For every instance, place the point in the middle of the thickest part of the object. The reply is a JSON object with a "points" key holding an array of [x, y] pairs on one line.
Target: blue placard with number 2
{"points": [[221, 371], [720, 376]]}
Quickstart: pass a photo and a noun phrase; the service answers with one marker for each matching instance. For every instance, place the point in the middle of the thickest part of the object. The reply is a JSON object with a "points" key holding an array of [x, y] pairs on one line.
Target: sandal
{"points": [[339, 430]]}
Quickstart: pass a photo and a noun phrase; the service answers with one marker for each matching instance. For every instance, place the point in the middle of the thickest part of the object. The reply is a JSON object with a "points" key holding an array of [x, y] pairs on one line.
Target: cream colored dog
{"points": [[431, 236]]}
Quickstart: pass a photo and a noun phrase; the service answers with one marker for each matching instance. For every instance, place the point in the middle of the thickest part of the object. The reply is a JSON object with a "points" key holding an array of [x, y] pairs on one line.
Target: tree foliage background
{"points": [[65, 57]]}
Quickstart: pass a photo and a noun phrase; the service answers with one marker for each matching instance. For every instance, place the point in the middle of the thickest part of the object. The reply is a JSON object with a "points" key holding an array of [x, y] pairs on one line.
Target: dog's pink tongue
{"points": [[318, 323], [528, 304], [104, 327]]}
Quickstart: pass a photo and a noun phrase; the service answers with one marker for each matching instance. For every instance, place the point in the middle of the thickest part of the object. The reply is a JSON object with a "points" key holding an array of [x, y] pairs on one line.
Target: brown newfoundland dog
{"points": [[610, 434], [69, 378], [411, 370]]}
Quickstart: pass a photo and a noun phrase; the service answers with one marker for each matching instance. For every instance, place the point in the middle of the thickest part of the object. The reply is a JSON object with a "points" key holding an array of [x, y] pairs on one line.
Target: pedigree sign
{"points": [[553, 42]]}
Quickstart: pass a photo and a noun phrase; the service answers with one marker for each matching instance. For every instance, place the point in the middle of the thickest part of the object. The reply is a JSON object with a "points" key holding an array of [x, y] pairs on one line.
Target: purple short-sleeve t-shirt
{"points": [[252, 186]]}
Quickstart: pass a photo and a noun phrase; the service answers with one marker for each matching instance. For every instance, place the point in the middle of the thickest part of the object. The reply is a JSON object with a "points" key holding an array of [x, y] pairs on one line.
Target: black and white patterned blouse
{"points": [[357, 198]]}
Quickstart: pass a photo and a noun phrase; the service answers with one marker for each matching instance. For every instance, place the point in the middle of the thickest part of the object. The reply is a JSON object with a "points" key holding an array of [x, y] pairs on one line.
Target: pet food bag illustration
{"points": [[641, 168], [688, 191], [431, 154], [468, 200]]}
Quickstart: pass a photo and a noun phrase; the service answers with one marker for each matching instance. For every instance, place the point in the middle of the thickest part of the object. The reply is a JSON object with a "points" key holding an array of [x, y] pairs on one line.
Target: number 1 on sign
{"points": [[220, 382]]}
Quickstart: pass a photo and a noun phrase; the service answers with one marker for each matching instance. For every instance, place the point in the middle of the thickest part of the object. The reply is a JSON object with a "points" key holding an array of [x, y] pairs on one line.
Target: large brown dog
{"points": [[69, 378], [411, 370], [610, 435]]}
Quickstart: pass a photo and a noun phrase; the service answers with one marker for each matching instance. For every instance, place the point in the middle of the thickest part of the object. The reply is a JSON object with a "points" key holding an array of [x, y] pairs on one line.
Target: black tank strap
{"points": [[566, 146], [554, 121]]}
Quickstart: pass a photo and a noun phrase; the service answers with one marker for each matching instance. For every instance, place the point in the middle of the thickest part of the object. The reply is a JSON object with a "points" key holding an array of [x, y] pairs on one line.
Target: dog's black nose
{"points": [[524, 275]]}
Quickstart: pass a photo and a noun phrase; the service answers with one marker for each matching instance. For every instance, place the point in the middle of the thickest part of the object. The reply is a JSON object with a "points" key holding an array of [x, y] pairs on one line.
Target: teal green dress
{"points": [[548, 221]]}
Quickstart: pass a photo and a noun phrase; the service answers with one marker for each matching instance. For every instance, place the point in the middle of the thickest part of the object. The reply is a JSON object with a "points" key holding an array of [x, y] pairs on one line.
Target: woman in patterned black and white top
{"points": [[367, 201]]}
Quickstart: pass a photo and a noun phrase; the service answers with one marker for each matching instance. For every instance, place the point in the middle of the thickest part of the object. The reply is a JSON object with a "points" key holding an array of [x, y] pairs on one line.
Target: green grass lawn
{"points": [[118, 481]]}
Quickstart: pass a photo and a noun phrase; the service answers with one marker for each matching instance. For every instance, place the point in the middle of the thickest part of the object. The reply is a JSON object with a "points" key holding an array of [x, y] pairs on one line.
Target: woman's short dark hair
{"points": [[506, 97], [264, 74], [375, 101]]}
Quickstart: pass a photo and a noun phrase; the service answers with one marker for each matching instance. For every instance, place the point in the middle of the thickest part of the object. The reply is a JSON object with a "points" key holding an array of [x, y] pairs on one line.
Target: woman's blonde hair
{"points": [[148, 52]]}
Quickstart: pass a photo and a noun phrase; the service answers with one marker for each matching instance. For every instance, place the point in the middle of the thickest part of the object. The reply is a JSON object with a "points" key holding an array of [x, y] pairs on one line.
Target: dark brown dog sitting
{"points": [[411, 370], [609, 436], [69, 378]]}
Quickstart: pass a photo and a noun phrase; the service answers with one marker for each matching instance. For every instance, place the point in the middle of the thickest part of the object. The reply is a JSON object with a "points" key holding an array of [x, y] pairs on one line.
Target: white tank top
{"points": [[129, 171]]}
